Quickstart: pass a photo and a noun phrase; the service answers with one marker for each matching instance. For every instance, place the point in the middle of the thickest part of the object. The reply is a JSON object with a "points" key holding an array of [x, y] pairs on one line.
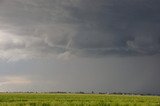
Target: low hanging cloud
{"points": [[67, 28], [13, 80]]}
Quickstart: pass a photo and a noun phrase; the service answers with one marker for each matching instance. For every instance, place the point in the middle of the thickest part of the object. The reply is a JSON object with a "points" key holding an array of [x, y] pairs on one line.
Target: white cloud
{"points": [[8, 41], [14, 47], [65, 56]]}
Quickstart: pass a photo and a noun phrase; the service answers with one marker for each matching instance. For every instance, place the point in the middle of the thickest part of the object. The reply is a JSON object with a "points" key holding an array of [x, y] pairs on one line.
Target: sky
{"points": [[77, 45]]}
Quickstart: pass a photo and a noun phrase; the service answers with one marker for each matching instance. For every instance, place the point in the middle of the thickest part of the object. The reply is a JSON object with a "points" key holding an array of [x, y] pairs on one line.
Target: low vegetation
{"points": [[46, 99]]}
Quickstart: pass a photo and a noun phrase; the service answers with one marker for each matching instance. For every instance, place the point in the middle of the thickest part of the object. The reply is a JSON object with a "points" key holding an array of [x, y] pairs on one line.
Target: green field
{"points": [[40, 99]]}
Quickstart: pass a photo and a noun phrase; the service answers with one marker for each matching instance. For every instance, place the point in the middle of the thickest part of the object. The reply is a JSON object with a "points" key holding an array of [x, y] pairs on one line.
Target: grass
{"points": [[40, 99]]}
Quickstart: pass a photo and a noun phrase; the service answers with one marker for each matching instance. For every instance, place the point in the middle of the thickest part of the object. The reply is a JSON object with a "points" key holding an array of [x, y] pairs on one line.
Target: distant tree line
{"points": [[81, 92]]}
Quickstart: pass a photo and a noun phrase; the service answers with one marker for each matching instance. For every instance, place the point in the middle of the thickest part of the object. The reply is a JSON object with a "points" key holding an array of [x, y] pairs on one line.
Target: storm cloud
{"points": [[116, 44], [74, 27]]}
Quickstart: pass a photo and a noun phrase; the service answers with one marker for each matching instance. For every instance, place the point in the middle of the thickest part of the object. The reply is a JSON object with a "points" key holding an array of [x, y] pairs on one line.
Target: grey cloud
{"points": [[115, 24], [111, 74], [98, 27]]}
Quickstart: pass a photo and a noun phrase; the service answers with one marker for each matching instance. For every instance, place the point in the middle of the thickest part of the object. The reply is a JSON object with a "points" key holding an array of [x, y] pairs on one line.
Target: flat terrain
{"points": [[40, 99]]}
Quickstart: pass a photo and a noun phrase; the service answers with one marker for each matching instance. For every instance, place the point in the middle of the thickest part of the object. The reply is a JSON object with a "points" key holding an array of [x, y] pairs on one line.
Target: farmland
{"points": [[46, 99]]}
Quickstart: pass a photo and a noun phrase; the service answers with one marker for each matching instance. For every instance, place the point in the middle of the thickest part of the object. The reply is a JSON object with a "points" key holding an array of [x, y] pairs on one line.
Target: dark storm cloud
{"points": [[118, 27], [75, 27]]}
